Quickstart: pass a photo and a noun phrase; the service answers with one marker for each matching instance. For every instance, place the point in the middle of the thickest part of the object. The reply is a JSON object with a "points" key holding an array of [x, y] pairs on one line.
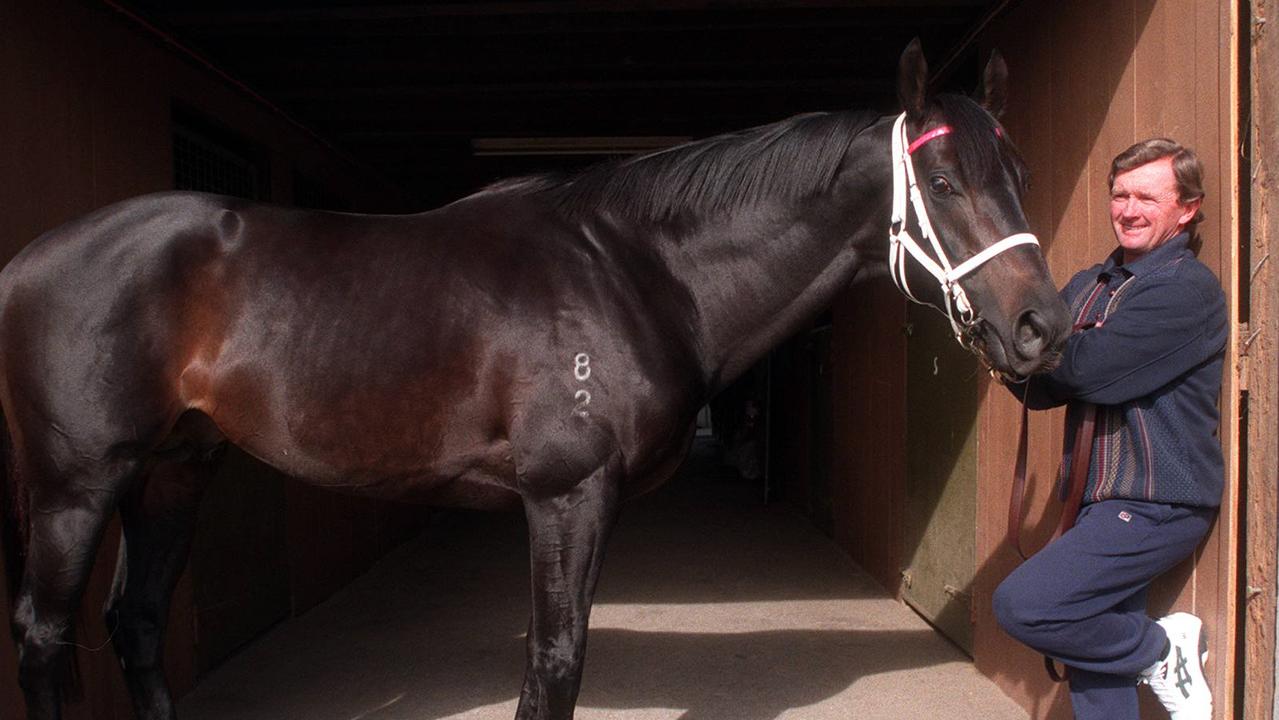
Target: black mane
{"points": [[788, 160]]}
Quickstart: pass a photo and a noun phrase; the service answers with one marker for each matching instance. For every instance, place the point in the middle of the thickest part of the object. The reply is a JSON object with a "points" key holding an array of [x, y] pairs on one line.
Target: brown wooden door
{"points": [[941, 476]]}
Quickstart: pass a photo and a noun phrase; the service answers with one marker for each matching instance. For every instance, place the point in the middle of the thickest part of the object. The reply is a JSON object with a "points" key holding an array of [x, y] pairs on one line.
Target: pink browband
{"points": [[936, 133]]}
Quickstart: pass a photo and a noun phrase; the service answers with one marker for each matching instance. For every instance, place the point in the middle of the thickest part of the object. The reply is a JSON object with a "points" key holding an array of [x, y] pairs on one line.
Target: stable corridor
{"points": [[712, 606]]}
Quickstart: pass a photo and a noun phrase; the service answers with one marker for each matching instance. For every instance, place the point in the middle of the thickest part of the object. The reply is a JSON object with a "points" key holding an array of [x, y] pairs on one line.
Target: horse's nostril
{"points": [[1030, 334]]}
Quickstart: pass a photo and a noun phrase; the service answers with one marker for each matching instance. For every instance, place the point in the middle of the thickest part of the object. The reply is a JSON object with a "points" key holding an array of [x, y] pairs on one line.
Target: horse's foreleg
{"points": [[159, 521], [567, 534], [68, 513]]}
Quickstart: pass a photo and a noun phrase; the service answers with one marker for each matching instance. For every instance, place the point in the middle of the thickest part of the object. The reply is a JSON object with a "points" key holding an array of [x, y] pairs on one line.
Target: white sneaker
{"points": [[1178, 679]]}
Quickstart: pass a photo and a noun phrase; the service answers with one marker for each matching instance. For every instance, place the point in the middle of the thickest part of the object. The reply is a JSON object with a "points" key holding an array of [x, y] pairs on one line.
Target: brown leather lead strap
{"points": [[1080, 460], [1016, 500]]}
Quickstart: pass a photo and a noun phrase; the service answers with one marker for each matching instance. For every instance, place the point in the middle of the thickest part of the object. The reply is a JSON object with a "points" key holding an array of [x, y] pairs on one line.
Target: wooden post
{"points": [[1259, 351]]}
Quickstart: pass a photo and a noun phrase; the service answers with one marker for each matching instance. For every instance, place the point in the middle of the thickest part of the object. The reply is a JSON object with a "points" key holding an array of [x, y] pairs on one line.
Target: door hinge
{"points": [[1241, 360]]}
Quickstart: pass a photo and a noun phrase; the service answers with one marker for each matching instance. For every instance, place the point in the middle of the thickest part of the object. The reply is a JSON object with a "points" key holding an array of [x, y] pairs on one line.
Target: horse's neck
{"points": [[759, 275]]}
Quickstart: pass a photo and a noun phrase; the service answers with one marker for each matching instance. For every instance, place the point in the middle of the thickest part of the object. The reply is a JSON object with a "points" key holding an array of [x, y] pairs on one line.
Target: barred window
{"points": [[308, 193], [210, 159]]}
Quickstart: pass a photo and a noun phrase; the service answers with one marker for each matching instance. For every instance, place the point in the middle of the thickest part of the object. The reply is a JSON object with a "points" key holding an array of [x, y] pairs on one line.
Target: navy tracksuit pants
{"points": [[1082, 599]]}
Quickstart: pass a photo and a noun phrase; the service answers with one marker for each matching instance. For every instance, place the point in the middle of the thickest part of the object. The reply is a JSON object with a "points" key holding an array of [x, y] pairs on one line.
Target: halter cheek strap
{"points": [[959, 310]]}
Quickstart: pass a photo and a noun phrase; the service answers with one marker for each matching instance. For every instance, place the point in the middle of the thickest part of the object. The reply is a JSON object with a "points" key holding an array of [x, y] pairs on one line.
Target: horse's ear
{"points": [[992, 94], [912, 81]]}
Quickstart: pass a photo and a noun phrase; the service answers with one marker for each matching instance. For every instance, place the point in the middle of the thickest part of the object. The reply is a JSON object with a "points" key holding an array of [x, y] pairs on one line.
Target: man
{"points": [[1150, 337]]}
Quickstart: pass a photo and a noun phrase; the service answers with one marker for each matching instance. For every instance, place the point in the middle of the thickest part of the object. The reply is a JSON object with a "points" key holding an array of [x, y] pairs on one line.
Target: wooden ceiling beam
{"points": [[354, 127], [230, 16], [503, 93], [304, 79]]}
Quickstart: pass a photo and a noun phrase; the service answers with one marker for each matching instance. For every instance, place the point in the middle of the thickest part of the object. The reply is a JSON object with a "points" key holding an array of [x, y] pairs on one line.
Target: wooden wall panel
{"points": [[868, 465], [1088, 79]]}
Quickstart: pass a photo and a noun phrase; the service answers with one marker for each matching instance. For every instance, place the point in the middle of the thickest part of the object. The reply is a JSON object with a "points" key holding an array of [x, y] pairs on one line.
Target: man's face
{"points": [[1144, 209]]}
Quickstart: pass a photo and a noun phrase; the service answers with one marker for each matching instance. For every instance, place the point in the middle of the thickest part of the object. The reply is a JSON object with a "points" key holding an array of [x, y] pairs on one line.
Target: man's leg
{"points": [[1102, 695], [1081, 600], [1097, 696]]}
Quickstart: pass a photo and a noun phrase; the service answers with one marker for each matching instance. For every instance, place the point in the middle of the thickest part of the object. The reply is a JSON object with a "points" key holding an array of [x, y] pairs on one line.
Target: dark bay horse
{"points": [[544, 343]]}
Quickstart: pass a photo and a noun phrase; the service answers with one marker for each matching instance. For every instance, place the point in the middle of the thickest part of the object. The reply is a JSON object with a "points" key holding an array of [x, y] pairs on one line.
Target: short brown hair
{"points": [[1186, 169]]}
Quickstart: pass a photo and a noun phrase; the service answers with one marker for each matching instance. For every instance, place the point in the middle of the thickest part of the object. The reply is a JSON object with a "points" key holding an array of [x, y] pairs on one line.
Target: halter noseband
{"points": [[959, 310]]}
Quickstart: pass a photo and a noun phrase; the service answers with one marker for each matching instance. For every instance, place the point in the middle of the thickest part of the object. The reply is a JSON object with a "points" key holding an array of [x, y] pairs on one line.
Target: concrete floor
{"points": [[712, 606]]}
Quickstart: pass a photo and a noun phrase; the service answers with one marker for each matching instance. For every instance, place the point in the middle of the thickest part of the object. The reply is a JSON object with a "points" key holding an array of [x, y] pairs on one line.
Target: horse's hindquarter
{"points": [[98, 316]]}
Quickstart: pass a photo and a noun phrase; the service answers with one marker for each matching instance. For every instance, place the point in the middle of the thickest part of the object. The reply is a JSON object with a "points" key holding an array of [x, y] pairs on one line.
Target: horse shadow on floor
{"points": [[437, 629]]}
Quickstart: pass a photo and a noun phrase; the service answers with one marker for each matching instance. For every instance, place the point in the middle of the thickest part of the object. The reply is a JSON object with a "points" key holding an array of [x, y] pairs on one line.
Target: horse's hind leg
{"points": [[159, 520], [70, 500], [567, 535]]}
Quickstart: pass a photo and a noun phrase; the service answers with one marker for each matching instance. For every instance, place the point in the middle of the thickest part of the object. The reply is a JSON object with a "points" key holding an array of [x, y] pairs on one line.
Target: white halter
{"points": [[958, 310]]}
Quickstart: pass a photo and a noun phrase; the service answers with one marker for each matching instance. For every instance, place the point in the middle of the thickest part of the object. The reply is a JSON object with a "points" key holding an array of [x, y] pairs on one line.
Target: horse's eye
{"points": [[939, 185]]}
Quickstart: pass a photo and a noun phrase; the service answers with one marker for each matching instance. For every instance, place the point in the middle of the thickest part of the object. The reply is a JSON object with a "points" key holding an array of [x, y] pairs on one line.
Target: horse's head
{"points": [[959, 239]]}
